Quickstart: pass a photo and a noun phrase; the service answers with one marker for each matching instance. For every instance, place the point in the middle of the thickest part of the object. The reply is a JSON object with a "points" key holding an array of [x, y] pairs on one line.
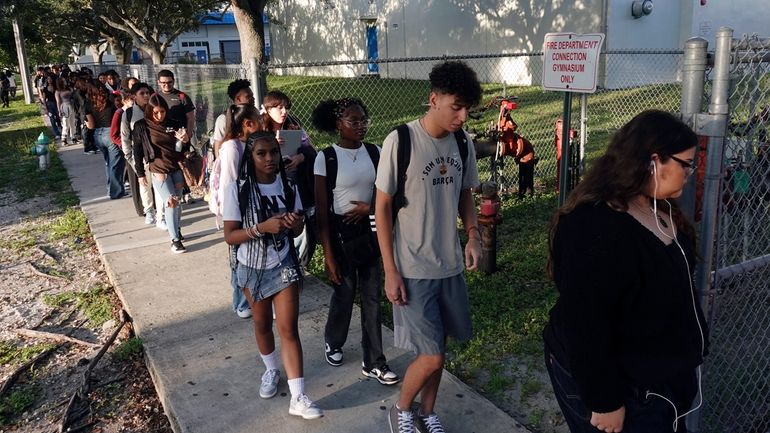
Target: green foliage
{"points": [[94, 303], [129, 349], [13, 354], [71, 224], [15, 403]]}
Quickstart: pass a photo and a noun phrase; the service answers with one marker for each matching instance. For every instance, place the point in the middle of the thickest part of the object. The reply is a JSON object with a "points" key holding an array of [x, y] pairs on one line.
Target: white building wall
{"points": [[420, 28], [745, 17]]}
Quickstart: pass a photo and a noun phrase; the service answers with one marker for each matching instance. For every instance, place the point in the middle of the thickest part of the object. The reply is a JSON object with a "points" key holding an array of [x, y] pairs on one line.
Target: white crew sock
{"points": [[296, 387], [272, 361]]}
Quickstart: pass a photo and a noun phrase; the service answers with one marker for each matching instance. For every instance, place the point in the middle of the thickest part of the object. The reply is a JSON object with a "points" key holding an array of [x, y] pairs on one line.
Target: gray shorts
{"points": [[436, 309]]}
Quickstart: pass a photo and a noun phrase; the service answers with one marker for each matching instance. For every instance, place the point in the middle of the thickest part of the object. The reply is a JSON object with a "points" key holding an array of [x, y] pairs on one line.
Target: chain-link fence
{"points": [[737, 369], [634, 81], [206, 85]]}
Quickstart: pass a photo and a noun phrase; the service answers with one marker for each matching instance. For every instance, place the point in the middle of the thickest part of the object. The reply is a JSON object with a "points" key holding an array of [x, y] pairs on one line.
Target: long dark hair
{"points": [[236, 114], [624, 170], [155, 101], [98, 95]]}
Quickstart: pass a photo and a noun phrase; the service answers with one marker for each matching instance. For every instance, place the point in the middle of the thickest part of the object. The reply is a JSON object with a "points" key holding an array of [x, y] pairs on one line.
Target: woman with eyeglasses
{"points": [[299, 165], [626, 337], [344, 187]]}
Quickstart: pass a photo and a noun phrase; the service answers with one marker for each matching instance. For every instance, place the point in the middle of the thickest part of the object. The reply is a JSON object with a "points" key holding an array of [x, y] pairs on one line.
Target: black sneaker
{"points": [[177, 247], [382, 374], [333, 356], [179, 235]]}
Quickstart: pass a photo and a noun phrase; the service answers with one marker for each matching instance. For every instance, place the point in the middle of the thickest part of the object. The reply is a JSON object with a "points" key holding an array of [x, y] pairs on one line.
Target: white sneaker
{"points": [[161, 225], [305, 407], [269, 385], [149, 218], [243, 313]]}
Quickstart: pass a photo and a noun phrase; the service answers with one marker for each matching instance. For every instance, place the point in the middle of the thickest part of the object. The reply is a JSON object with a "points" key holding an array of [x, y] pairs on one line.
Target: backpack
{"points": [[215, 201], [403, 156]]}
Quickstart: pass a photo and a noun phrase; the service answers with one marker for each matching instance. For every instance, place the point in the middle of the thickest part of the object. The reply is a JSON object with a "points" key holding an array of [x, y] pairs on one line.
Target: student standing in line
{"points": [[626, 338], [242, 121], [63, 95], [99, 111], [299, 166], [424, 268], [350, 252], [261, 213], [144, 204], [162, 142]]}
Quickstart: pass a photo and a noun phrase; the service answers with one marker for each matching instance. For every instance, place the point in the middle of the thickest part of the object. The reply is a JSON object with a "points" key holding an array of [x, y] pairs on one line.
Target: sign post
{"points": [[570, 64]]}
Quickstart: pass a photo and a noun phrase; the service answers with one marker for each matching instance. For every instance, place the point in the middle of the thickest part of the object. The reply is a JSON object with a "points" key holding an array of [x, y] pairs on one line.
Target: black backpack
{"points": [[403, 156]]}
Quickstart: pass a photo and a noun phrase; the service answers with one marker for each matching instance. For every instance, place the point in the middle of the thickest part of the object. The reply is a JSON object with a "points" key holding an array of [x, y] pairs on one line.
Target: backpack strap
{"points": [[462, 145], [330, 158], [403, 154], [374, 154]]}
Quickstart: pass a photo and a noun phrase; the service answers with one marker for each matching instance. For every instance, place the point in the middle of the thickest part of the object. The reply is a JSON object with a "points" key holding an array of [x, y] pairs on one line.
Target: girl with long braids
{"points": [[344, 186], [240, 122], [261, 213]]}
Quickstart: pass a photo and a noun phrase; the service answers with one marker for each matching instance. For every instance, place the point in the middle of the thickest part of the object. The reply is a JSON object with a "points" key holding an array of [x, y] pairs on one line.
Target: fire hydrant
{"points": [[489, 218], [40, 149]]}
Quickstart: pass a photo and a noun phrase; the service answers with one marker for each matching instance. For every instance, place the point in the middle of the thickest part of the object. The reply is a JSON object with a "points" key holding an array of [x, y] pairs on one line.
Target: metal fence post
{"points": [[714, 126], [254, 78], [693, 80]]}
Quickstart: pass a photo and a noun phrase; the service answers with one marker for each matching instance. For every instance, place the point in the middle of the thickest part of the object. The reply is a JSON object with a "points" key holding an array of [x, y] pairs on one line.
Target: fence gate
{"points": [[734, 243]]}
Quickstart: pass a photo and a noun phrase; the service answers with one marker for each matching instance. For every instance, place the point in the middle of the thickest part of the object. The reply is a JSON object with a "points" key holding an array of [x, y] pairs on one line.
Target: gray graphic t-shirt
{"points": [[425, 241]]}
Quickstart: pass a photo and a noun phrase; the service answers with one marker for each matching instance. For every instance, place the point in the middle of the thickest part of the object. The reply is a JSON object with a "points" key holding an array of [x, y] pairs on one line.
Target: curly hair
{"points": [[236, 86], [456, 78], [326, 113]]}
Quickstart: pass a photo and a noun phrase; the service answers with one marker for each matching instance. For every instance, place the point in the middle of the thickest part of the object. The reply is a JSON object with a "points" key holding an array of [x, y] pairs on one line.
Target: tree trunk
{"points": [[122, 50], [97, 53], [251, 30], [157, 54]]}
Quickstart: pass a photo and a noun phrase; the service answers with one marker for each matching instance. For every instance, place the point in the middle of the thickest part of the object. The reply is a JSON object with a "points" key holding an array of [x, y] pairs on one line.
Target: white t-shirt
{"points": [[355, 176], [230, 159], [219, 129], [274, 201], [425, 242]]}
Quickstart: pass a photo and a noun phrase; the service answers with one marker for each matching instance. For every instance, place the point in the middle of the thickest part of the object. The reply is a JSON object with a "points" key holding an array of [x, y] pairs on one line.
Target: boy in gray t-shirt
{"points": [[421, 252]]}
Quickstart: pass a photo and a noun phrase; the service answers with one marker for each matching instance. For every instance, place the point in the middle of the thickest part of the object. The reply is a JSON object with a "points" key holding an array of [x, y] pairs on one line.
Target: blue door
{"points": [[371, 48]]}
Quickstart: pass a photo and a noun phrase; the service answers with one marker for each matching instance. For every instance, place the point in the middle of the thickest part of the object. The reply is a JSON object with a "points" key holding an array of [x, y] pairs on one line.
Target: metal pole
{"points": [[713, 125], [254, 78], [21, 53], [583, 132], [693, 80], [565, 156]]}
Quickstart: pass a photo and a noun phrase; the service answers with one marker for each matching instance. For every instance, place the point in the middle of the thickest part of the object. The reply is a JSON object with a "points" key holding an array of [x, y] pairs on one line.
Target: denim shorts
{"points": [[264, 283]]}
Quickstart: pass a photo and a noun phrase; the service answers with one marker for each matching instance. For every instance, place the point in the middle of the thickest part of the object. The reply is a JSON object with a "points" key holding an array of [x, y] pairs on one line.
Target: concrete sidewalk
{"points": [[203, 358]]}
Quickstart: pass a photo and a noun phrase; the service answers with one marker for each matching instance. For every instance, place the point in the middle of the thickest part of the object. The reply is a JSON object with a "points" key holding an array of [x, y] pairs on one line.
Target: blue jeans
{"points": [[171, 185], [53, 116], [115, 163], [239, 299]]}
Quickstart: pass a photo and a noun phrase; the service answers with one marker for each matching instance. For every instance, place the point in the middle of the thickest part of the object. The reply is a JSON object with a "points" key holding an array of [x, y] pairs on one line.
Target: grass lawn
{"points": [[20, 126]]}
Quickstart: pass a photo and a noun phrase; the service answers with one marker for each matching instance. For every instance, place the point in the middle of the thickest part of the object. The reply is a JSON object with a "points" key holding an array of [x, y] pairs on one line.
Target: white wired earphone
{"points": [[692, 296]]}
